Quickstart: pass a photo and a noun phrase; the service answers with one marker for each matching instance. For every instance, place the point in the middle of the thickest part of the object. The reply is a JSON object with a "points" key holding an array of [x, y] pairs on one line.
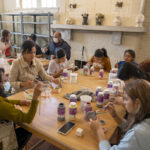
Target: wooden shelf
{"points": [[99, 28]]}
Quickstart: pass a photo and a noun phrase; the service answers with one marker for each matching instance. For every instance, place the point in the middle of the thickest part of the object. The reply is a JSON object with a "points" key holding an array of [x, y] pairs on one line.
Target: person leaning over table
{"points": [[136, 129], [127, 72], [10, 113], [100, 60], [57, 65], [28, 68]]}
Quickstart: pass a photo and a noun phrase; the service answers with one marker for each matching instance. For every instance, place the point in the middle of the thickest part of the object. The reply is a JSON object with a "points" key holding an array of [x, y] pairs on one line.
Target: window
{"points": [[36, 4], [29, 3], [48, 3], [18, 3]]}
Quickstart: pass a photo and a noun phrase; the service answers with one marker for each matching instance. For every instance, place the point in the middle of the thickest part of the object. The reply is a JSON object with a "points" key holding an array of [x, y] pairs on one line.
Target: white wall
{"points": [[1, 6], [137, 41]]}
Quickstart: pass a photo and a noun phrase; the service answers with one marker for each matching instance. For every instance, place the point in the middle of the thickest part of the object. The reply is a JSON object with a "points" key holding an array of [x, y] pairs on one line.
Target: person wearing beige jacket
{"points": [[28, 68]]}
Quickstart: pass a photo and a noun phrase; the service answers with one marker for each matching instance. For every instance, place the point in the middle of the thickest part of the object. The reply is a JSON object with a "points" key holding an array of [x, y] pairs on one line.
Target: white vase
{"points": [[139, 20], [117, 21]]}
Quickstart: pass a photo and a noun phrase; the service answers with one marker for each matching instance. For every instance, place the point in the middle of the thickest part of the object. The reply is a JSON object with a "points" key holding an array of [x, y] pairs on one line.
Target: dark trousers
{"points": [[23, 137]]}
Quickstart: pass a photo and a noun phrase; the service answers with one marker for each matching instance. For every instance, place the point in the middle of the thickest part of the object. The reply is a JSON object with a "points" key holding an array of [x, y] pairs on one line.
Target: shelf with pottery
{"points": [[98, 28], [116, 30]]}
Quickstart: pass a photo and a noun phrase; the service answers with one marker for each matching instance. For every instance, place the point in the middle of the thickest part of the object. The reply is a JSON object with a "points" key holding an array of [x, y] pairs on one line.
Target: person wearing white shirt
{"points": [[136, 128], [57, 65]]}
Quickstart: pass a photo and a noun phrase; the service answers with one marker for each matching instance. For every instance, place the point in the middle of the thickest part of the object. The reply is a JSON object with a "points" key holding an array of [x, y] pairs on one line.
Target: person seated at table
{"points": [[39, 53], [100, 60], [145, 66], [4, 85], [5, 46], [129, 56], [9, 112], [57, 65], [56, 44], [27, 69], [129, 71], [136, 129]]}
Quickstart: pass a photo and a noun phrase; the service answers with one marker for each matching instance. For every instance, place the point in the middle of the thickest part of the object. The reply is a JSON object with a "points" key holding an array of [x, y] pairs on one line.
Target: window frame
{"points": [[39, 6]]}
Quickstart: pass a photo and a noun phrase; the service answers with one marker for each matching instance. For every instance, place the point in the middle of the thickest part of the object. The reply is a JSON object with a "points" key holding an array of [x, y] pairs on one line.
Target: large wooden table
{"points": [[45, 124]]}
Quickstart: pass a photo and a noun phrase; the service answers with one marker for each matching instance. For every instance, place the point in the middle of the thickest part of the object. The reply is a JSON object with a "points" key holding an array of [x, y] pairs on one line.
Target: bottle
{"points": [[101, 73], [116, 89], [65, 73], [87, 108], [91, 70], [109, 84], [73, 98], [85, 70], [61, 112], [98, 89], [72, 111], [100, 99], [106, 95]]}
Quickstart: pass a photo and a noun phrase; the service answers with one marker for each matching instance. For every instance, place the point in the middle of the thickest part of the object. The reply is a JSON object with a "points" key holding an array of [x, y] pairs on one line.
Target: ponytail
{"points": [[104, 52]]}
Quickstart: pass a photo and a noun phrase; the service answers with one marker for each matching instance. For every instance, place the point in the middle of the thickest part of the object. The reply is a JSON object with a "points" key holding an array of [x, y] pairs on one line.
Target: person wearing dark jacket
{"points": [[56, 44]]}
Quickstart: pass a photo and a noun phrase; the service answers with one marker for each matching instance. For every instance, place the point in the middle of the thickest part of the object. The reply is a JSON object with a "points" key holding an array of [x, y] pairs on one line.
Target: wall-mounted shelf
{"points": [[22, 24], [116, 30]]}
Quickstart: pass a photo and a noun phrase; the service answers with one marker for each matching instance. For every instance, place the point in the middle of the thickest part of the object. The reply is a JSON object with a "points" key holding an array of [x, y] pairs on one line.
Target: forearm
{"points": [[56, 75], [17, 102], [9, 112], [101, 135]]}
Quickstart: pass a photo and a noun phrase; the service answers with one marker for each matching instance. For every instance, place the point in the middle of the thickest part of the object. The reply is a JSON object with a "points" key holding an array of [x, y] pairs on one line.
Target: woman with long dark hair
{"points": [[136, 129]]}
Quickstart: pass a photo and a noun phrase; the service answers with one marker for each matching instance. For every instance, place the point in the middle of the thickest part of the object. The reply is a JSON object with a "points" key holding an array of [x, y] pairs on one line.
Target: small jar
{"points": [[114, 70], [101, 73], [98, 89], [73, 98], [65, 73], [91, 70], [100, 99], [87, 108], [61, 112], [85, 70], [110, 84], [116, 89], [72, 111], [106, 95]]}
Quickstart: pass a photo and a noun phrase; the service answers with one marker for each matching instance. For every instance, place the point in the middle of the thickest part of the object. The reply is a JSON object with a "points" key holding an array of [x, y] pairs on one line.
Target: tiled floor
{"points": [[44, 146]]}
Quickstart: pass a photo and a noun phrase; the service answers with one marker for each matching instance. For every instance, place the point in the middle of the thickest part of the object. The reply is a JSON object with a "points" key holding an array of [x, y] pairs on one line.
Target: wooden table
{"points": [[45, 125]]}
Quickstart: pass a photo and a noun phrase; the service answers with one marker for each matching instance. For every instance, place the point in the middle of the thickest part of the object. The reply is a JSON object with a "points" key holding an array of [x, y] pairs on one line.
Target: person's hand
{"points": [[56, 81], [25, 103], [94, 125], [28, 84], [52, 56], [119, 101], [60, 71], [110, 107], [45, 49], [37, 91], [89, 64]]}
